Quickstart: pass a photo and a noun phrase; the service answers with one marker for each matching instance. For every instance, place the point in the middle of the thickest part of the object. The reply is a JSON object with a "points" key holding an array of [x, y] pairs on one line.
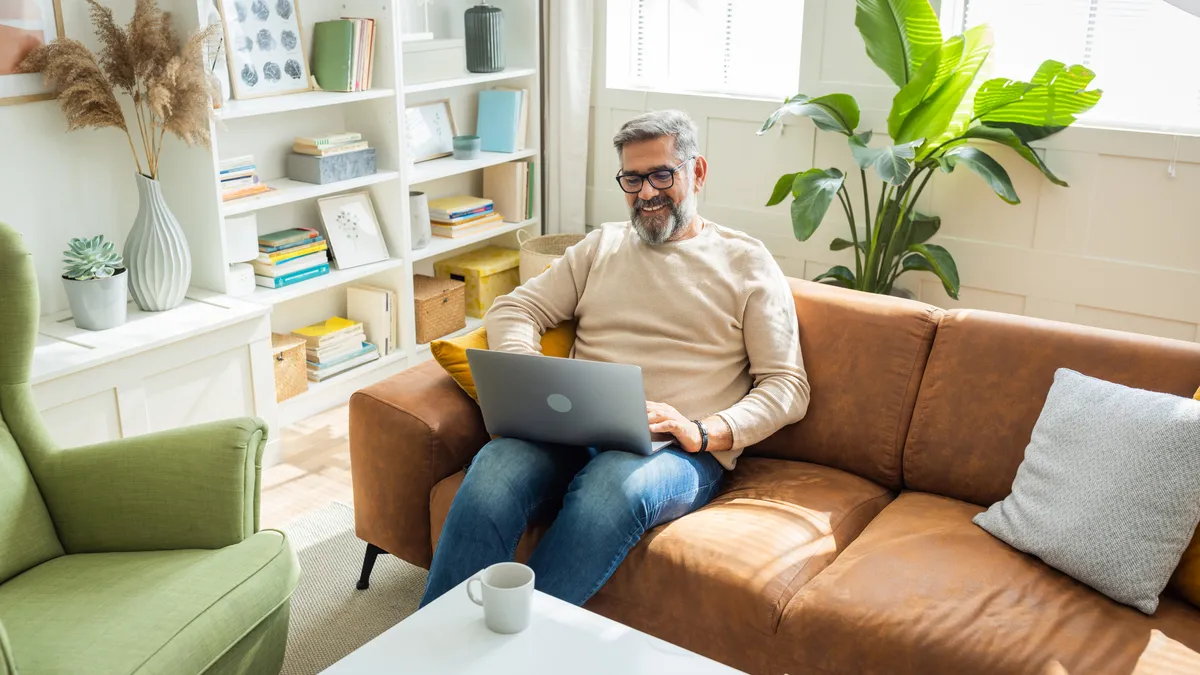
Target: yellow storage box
{"points": [[489, 273]]}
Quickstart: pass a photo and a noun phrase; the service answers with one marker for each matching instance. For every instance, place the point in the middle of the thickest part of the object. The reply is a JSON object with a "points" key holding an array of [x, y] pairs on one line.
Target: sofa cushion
{"points": [[153, 612], [923, 590]]}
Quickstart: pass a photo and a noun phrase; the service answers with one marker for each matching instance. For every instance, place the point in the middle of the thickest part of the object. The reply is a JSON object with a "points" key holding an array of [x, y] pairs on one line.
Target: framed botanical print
{"points": [[24, 26], [352, 229], [264, 42], [430, 130]]}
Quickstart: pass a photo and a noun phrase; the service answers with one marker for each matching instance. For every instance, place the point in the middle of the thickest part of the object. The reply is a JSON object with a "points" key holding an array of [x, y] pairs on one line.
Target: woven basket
{"points": [[440, 307], [538, 252], [291, 375]]}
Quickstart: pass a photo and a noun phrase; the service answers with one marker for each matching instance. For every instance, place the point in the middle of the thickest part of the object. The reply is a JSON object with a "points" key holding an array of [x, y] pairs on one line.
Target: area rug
{"points": [[330, 618]]}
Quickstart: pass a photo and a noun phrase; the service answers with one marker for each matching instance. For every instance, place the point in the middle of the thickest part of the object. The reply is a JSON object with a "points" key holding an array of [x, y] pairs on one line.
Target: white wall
{"points": [[1118, 249]]}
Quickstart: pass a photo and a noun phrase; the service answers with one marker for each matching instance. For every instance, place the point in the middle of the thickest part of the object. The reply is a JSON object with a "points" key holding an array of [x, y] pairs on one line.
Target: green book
{"points": [[333, 46], [529, 199]]}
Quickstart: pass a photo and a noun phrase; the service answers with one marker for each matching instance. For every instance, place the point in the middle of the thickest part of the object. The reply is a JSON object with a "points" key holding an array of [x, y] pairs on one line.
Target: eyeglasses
{"points": [[663, 179]]}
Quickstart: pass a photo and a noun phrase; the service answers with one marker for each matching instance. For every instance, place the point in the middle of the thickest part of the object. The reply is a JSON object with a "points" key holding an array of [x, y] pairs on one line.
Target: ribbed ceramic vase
{"points": [[484, 30], [156, 252]]}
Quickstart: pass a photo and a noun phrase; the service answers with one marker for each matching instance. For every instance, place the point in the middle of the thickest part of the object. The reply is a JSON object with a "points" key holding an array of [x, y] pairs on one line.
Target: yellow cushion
{"points": [[452, 354], [1187, 575]]}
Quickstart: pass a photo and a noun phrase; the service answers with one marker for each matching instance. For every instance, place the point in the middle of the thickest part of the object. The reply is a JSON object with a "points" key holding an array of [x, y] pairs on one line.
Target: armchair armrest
{"points": [[195, 487], [8, 663], [407, 433]]}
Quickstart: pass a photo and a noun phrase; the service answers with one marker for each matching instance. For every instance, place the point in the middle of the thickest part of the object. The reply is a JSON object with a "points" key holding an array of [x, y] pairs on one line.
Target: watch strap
{"points": [[703, 434]]}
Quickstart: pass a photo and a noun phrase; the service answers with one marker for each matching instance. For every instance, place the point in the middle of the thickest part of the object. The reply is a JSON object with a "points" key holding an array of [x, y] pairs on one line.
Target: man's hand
{"points": [[666, 420]]}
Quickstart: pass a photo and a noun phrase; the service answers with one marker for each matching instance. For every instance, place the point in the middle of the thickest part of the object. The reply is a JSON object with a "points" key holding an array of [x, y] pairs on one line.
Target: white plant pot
{"points": [[98, 304]]}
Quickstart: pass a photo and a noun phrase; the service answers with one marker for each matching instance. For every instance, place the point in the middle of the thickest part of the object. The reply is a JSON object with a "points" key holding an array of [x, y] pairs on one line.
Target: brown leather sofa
{"points": [[844, 543]]}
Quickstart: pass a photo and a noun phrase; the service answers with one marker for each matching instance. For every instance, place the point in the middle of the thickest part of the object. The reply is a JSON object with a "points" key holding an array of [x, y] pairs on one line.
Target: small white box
{"points": [[432, 60], [241, 238], [240, 280]]}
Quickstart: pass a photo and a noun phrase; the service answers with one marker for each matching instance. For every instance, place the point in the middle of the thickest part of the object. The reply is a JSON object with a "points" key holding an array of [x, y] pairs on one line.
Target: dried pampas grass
{"points": [[168, 83]]}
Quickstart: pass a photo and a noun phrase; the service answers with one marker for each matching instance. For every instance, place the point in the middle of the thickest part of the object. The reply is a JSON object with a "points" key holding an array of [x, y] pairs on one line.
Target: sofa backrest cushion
{"points": [[864, 355], [986, 383]]}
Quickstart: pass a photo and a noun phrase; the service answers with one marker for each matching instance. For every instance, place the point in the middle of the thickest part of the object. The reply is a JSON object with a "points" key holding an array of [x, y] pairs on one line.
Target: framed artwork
{"points": [[24, 26], [264, 42], [430, 130], [352, 230]]}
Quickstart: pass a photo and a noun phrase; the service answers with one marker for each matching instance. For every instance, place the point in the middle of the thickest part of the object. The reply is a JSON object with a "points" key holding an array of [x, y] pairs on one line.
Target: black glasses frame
{"points": [[644, 177]]}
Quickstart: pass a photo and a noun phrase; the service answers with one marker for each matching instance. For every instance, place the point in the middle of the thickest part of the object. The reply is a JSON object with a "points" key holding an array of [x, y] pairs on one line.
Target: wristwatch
{"points": [[703, 435]]}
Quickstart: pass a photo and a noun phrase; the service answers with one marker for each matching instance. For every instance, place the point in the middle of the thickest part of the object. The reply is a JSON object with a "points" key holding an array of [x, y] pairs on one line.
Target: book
{"points": [[284, 247], [499, 119], [531, 169], [320, 375], [333, 43], [326, 331], [293, 278], [245, 192], [237, 171], [522, 118], [453, 231], [329, 150], [465, 219], [458, 205], [504, 184], [285, 238], [327, 139], [237, 183], [375, 308], [232, 162], [335, 350], [361, 348], [290, 253], [289, 266]]}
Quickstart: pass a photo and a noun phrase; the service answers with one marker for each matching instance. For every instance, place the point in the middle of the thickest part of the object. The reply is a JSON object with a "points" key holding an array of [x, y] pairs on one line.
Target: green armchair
{"points": [[140, 555]]}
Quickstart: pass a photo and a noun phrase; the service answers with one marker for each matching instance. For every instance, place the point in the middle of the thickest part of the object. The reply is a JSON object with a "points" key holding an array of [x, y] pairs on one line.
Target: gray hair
{"points": [[651, 125]]}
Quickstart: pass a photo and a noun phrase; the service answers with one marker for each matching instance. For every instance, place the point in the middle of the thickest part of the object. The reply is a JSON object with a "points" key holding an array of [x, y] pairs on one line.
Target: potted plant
{"points": [[940, 119], [171, 92], [96, 283]]}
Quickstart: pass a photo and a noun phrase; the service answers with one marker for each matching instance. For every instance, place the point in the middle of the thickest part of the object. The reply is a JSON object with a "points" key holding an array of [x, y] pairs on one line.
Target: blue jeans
{"points": [[608, 500]]}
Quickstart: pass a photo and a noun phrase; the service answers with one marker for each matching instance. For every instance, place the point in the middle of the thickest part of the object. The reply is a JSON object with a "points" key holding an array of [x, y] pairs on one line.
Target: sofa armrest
{"points": [[407, 433], [195, 487], [8, 662]]}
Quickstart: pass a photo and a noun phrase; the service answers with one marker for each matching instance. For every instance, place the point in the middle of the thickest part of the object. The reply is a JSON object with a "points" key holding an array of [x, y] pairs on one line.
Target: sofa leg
{"points": [[364, 581]]}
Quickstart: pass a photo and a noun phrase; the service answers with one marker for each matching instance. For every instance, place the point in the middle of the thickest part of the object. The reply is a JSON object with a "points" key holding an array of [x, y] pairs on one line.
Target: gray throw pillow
{"points": [[1109, 491]]}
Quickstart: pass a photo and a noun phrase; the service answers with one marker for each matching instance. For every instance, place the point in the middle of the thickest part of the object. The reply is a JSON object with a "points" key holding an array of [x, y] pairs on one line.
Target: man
{"points": [[707, 314]]}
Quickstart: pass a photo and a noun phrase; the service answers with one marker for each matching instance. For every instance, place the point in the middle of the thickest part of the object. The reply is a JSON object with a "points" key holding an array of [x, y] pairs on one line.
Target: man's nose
{"points": [[648, 191]]}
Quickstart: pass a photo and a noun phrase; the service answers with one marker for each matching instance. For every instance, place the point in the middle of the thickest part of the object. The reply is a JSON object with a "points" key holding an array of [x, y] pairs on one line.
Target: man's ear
{"points": [[700, 172]]}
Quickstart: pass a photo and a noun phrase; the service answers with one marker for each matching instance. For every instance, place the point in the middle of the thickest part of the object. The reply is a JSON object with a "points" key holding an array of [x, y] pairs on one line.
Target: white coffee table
{"points": [[448, 637]]}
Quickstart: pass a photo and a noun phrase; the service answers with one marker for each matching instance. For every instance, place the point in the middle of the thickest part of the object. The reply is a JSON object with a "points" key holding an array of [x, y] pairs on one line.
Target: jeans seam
{"points": [[512, 549]]}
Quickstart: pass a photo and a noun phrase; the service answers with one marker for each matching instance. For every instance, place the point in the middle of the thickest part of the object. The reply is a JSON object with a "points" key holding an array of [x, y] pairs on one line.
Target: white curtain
{"points": [[568, 91]]}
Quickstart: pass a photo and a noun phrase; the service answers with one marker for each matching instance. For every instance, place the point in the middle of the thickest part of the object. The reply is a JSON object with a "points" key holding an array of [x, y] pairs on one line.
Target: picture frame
{"points": [[265, 53], [25, 25], [430, 130], [352, 229]]}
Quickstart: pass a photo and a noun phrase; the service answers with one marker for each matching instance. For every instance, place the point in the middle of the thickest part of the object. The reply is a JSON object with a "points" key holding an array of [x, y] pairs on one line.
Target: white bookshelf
{"points": [[265, 128]]}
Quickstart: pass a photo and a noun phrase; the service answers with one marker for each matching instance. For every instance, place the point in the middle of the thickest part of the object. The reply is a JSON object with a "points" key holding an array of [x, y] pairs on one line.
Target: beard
{"points": [[661, 226]]}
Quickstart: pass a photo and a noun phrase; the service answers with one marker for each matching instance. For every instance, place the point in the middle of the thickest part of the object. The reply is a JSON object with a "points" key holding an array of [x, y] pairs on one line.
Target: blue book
{"points": [[305, 242], [366, 348], [289, 279], [499, 119]]}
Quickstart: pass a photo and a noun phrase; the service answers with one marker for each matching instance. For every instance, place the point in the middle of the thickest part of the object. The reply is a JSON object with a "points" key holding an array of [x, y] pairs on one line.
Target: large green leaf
{"points": [[940, 116], [840, 244], [832, 112], [814, 191], [864, 155], [839, 275], [932, 74], [988, 169], [922, 228], [783, 187], [893, 163], [937, 260], [997, 93], [1009, 137], [899, 35], [1053, 100], [1028, 133]]}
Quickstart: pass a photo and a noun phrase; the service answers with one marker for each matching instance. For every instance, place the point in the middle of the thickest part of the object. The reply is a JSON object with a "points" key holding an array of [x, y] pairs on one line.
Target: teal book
{"points": [[366, 348], [499, 119], [332, 53], [295, 277]]}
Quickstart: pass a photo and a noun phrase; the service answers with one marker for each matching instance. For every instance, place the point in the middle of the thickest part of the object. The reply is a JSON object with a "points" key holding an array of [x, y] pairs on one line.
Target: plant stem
{"points": [[895, 271], [866, 204], [137, 160], [844, 198], [137, 109]]}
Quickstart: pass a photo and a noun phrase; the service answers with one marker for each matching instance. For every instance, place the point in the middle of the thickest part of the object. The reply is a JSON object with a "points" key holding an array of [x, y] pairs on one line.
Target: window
{"points": [[1144, 53], [733, 47]]}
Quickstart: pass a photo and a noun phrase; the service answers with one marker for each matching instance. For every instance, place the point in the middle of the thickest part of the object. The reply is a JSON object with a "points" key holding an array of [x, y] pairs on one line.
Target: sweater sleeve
{"points": [[516, 322], [780, 393]]}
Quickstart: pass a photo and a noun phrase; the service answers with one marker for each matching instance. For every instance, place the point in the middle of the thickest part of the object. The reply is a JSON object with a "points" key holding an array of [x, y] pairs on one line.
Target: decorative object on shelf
{"points": [[510, 186], [241, 238], [331, 168], [160, 263], [239, 279], [538, 253], [929, 127], [238, 177], [489, 273], [439, 307], [352, 229], [503, 120], [466, 147], [96, 283], [343, 54], [266, 47], [433, 60], [425, 33], [289, 257], [32, 23], [290, 378], [418, 214], [430, 130], [215, 58], [483, 26]]}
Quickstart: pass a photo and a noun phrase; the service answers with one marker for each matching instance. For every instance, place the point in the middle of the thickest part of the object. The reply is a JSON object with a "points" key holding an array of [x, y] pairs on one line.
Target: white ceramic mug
{"points": [[507, 596]]}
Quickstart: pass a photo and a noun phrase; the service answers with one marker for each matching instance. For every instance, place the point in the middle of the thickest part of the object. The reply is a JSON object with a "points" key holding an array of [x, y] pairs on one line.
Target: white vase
{"points": [[156, 252], [418, 213]]}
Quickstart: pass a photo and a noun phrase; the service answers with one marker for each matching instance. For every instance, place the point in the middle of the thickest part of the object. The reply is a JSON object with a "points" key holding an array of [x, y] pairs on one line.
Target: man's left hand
{"points": [[665, 419]]}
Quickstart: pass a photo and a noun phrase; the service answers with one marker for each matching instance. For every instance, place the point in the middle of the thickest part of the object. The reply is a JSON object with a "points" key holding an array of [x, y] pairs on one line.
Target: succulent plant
{"points": [[92, 258]]}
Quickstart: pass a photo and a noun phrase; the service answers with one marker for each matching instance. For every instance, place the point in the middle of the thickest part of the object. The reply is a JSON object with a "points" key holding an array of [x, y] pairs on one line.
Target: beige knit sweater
{"points": [[710, 320]]}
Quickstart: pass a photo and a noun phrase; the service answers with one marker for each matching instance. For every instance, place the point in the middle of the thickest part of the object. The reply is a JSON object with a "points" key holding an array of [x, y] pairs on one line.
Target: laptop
{"points": [[564, 401]]}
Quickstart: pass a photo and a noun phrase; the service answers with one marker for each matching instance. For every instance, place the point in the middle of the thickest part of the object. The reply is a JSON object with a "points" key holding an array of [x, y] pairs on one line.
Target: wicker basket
{"points": [[291, 375], [538, 252], [440, 307]]}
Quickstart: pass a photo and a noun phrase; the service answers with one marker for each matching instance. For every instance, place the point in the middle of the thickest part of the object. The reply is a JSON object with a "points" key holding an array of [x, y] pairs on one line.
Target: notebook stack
{"points": [[343, 54], [510, 187], [503, 120], [239, 178], [289, 257], [329, 144], [334, 346], [462, 215]]}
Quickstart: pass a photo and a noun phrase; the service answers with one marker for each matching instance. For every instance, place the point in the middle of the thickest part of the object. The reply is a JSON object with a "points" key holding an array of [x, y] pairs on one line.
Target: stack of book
{"points": [[462, 215], [329, 144], [289, 257], [343, 54], [334, 346], [510, 186], [239, 178]]}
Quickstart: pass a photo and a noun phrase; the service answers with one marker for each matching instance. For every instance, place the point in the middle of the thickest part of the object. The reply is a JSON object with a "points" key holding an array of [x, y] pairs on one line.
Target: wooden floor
{"points": [[315, 470]]}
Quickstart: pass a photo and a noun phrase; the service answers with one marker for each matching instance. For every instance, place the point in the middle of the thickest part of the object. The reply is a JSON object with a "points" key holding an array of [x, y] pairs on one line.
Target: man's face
{"points": [[658, 215]]}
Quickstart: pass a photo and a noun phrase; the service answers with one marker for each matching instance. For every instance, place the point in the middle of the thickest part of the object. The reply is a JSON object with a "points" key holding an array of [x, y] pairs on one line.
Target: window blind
{"points": [[1144, 53]]}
